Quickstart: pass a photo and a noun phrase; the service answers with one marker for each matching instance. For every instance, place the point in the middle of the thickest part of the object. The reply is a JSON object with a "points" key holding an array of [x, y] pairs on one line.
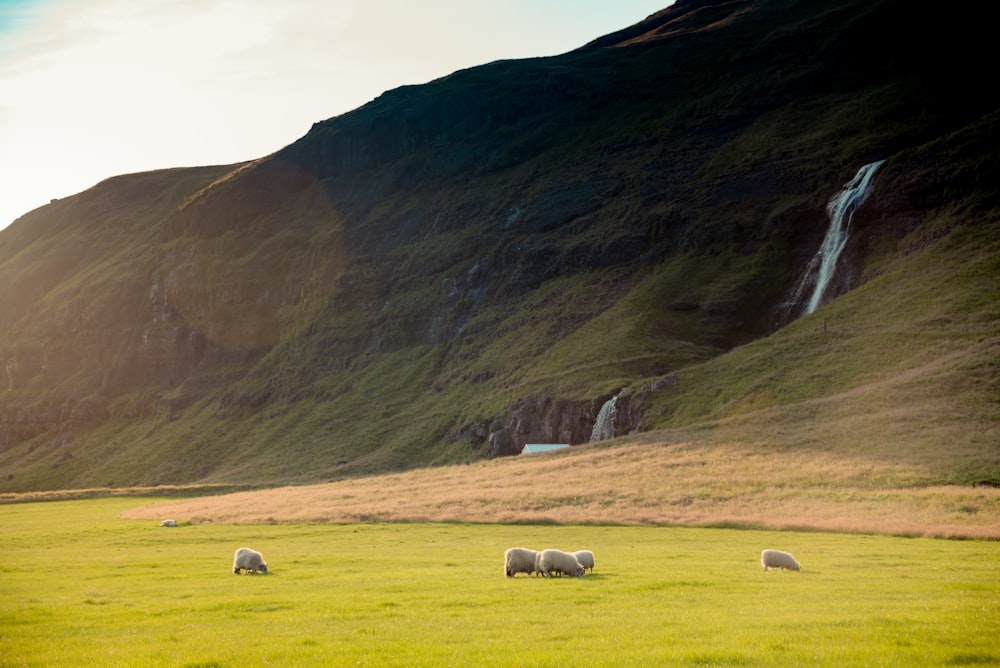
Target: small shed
{"points": [[535, 448]]}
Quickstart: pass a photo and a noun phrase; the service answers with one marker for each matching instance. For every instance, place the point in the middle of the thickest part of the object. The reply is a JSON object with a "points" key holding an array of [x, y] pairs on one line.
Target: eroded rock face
{"points": [[58, 420], [552, 420]]}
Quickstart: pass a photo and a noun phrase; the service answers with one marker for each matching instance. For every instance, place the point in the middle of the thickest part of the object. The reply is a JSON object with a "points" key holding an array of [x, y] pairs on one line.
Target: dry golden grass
{"points": [[633, 483]]}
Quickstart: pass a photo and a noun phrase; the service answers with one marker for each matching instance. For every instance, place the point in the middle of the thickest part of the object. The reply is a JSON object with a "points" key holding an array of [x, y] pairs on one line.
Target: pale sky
{"points": [[95, 88]]}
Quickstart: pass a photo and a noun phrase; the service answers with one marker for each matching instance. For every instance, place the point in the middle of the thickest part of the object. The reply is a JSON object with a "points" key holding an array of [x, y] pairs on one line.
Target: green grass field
{"points": [[81, 586]]}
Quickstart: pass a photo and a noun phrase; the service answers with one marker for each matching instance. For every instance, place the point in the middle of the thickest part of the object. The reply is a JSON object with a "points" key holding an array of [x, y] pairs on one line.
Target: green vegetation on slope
{"points": [[499, 251]]}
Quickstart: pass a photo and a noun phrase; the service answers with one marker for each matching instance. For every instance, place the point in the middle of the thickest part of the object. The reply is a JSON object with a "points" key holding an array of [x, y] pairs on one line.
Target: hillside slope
{"points": [[461, 267]]}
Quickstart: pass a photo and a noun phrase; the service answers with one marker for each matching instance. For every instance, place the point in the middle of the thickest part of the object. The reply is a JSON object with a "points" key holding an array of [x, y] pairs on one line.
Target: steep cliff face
{"points": [[83, 323], [457, 268]]}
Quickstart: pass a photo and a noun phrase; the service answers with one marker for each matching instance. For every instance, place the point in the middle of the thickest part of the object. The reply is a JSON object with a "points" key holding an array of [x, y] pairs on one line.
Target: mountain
{"points": [[458, 268]]}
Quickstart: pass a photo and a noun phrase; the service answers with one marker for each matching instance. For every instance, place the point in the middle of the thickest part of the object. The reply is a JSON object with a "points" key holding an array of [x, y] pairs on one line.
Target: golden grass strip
{"points": [[692, 484]]}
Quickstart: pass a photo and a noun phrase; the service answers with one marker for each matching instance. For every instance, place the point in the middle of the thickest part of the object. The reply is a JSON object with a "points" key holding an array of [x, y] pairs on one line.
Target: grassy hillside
{"points": [[458, 268], [878, 413]]}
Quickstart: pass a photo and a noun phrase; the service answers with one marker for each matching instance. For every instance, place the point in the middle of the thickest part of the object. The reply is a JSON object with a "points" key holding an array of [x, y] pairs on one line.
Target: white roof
{"points": [[534, 448]]}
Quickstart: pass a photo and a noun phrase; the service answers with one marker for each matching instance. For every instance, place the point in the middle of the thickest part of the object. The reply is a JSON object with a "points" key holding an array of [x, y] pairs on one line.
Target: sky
{"points": [[91, 89]]}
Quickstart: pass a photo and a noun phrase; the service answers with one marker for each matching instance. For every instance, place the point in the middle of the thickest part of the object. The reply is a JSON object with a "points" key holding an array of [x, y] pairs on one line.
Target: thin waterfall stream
{"points": [[604, 428], [840, 210]]}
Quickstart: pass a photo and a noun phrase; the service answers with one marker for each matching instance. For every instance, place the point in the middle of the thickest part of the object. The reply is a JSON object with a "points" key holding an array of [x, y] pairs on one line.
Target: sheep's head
{"points": [[262, 568]]}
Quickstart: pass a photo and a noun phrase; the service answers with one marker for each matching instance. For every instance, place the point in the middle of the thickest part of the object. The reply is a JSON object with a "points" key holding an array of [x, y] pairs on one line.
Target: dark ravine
{"points": [[458, 268]]}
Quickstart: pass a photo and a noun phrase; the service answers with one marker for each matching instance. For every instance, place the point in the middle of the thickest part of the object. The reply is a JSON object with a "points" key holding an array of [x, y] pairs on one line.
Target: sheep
{"points": [[552, 561], [168, 523], [586, 559], [519, 560], [778, 559], [249, 560]]}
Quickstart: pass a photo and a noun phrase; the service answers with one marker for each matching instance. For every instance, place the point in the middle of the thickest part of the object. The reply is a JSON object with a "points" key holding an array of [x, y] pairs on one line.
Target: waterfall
{"points": [[840, 210], [604, 428]]}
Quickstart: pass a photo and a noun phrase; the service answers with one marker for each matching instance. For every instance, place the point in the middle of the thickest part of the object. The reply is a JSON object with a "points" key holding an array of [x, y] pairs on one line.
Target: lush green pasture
{"points": [[80, 586]]}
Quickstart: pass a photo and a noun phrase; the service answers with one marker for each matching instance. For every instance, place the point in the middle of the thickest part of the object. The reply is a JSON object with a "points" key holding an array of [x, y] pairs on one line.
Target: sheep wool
{"points": [[249, 560], [586, 559], [778, 559], [556, 561], [518, 560]]}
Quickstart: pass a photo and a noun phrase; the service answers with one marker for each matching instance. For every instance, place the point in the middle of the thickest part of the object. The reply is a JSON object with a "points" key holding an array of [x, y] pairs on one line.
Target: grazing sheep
{"points": [[168, 523], [778, 559], [246, 559], [556, 561], [518, 560], [586, 559]]}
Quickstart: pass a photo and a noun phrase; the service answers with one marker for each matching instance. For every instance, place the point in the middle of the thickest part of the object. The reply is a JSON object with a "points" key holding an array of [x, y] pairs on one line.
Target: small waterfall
{"points": [[840, 210], [604, 428]]}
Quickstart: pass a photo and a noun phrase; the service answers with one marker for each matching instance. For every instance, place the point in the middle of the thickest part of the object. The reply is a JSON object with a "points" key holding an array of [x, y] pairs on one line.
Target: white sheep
{"points": [[778, 559], [246, 559], [556, 561], [586, 559], [168, 523], [518, 560]]}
